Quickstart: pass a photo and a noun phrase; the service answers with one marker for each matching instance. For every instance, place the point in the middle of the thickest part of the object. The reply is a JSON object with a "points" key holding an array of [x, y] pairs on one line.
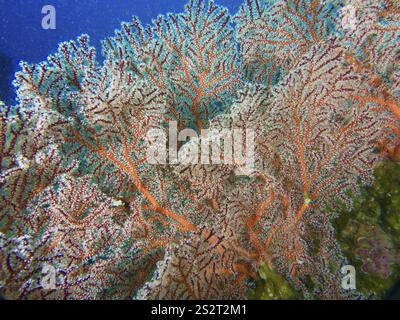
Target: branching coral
{"points": [[274, 34], [80, 191], [197, 69]]}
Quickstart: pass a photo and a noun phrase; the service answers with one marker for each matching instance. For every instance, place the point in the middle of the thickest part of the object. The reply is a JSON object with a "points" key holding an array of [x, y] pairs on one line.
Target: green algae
{"points": [[374, 218], [272, 286]]}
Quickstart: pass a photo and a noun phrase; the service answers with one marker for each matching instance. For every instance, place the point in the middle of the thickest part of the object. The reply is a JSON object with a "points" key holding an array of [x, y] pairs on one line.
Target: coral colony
{"points": [[90, 208]]}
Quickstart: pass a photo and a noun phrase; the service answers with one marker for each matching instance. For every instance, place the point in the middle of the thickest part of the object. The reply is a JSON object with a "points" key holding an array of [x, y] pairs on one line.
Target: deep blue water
{"points": [[22, 37]]}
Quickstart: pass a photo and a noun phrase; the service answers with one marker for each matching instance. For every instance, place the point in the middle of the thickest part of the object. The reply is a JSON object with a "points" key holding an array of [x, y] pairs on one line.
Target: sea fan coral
{"points": [[81, 191], [197, 69], [274, 34]]}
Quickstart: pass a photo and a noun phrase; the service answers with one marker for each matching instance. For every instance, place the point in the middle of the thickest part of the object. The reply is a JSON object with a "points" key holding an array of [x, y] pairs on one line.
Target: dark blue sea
{"points": [[23, 38]]}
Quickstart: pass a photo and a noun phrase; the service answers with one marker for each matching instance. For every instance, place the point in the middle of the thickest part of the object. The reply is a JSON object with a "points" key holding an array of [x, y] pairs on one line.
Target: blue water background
{"points": [[22, 37]]}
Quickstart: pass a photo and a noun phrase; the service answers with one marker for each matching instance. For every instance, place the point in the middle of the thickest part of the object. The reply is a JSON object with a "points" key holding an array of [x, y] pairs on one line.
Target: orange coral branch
{"points": [[131, 170], [390, 105]]}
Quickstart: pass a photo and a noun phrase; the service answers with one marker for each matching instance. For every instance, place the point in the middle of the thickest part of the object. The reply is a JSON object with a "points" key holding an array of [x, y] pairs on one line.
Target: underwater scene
{"points": [[200, 150]]}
